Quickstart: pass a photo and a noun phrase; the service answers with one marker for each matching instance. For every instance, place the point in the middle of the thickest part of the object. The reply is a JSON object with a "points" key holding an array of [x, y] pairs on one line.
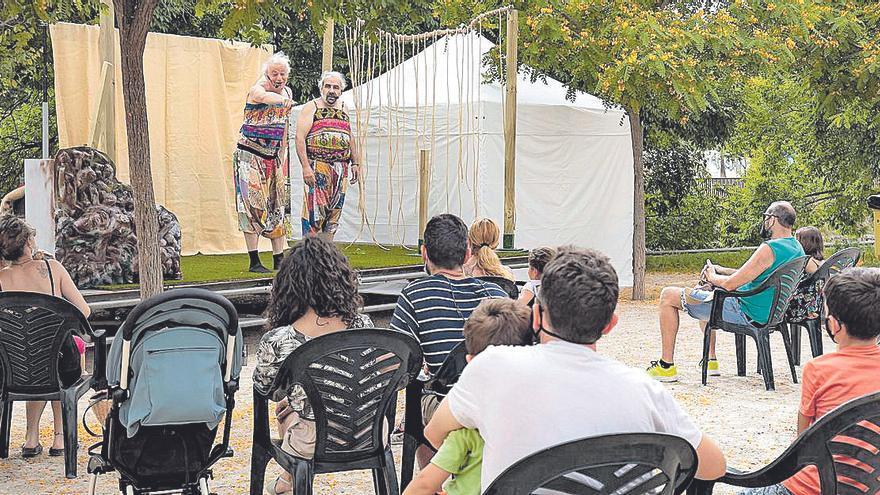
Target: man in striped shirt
{"points": [[434, 309]]}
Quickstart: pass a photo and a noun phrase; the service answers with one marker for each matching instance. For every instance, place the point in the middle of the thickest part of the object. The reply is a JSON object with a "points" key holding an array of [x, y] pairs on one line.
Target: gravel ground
{"points": [[751, 425]]}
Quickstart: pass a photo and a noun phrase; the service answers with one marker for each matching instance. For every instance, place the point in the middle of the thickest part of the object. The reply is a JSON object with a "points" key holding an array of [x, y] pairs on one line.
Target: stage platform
{"points": [[379, 287]]}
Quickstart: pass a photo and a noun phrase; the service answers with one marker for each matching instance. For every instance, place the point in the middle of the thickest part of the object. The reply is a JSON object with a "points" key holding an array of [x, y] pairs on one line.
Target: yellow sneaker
{"points": [[713, 369], [662, 374]]}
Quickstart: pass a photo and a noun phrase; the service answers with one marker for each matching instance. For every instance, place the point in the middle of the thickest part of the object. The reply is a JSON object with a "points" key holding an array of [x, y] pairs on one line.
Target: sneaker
{"points": [[662, 374], [713, 369]]}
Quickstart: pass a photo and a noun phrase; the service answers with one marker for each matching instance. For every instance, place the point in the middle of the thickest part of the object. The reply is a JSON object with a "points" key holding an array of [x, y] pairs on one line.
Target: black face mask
{"points": [[763, 231], [828, 331], [548, 332]]}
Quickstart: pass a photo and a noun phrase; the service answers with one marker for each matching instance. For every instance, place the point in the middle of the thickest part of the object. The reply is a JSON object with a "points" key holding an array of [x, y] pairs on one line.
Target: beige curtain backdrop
{"points": [[196, 90]]}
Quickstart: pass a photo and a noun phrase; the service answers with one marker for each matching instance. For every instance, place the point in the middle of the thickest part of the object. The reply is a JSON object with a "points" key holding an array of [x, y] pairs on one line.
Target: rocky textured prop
{"points": [[94, 222]]}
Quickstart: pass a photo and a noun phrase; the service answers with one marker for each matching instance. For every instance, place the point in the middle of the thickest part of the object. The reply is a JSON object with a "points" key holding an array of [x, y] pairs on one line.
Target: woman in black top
{"points": [[28, 270]]}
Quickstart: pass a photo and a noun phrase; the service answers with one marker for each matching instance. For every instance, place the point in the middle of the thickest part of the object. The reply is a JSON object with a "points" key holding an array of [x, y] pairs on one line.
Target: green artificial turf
{"points": [[694, 262], [214, 268]]}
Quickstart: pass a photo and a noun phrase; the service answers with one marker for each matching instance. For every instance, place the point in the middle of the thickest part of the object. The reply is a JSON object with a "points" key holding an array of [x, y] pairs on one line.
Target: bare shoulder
{"points": [[308, 111]]}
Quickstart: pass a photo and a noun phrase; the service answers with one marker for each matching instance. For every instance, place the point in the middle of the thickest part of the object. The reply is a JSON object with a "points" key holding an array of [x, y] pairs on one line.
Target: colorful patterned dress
{"points": [[260, 168], [328, 146]]}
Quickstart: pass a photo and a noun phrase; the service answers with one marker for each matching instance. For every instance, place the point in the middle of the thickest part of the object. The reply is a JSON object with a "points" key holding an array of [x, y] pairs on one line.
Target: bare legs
{"points": [[33, 412], [252, 241], [277, 245], [670, 306]]}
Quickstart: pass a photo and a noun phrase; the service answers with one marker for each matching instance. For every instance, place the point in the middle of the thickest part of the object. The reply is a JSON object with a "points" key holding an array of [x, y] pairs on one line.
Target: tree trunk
{"points": [[133, 18], [637, 132]]}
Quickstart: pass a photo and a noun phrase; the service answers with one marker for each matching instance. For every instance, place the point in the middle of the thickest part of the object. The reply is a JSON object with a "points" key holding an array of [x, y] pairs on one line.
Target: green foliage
{"points": [[693, 224], [694, 262], [797, 155]]}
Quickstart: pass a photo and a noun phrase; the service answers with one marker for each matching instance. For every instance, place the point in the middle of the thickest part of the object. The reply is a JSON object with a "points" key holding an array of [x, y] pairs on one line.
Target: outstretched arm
{"points": [[258, 94]]}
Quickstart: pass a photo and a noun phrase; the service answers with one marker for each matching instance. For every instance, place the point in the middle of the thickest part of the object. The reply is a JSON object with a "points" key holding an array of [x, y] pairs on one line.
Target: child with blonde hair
{"points": [[483, 238]]}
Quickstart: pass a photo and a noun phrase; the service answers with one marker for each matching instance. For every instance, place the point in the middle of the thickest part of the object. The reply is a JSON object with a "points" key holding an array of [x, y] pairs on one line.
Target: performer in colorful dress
{"points": [[260, 162], [327, 152]]}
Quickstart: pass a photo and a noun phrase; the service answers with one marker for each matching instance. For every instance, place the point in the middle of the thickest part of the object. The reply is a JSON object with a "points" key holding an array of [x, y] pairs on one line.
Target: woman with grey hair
{"points": [[260, 162], [328, 154]]}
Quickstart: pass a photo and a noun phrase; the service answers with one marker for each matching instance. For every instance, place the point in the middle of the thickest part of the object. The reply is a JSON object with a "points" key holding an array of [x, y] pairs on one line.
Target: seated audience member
{"points": [[852, 298], [30, 270], [435, 308], [525, 399], [804, 304], [538, 259], [494, 322], [314, 293], [483, 238], [779, 248]]}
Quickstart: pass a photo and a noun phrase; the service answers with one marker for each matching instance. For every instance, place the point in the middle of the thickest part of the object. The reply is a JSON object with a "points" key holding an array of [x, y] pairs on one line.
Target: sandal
{"points": [[56, 452], [29, 452], [273, 488]]}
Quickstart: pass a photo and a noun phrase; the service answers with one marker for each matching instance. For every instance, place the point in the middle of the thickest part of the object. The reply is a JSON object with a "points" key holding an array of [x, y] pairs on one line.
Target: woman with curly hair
{"points": [[29, 270], [314, 293], [483, 239]]}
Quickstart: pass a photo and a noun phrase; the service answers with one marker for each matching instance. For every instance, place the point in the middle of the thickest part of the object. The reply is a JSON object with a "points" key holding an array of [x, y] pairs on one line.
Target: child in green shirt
{"points": [[494, 322]]}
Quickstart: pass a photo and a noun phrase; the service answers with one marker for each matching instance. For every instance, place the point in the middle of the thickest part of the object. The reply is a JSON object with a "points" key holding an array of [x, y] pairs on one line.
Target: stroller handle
{"points": [[131, 320]]}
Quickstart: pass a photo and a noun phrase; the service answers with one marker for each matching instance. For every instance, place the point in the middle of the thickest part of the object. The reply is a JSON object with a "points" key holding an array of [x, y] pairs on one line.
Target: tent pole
{"points": [[107, 104], [510, 131], [327, 58], [424, 178]]}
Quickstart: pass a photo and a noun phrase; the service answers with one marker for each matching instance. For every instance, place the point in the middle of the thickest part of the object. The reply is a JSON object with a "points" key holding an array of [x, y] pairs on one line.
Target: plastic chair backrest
{"points": [[841, 260], [350, 379], [33, 328], [783, 281], [624, 464], [506, 285], [450, 370], [844, 445]]}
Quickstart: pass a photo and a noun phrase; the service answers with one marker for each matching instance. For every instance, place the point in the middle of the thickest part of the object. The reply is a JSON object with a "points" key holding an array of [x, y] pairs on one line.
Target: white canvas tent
{"points": [[574, 176]]}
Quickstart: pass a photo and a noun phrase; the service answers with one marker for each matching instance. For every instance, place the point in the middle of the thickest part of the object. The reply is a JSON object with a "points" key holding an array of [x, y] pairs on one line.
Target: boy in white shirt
{"points": [[525, 399]]}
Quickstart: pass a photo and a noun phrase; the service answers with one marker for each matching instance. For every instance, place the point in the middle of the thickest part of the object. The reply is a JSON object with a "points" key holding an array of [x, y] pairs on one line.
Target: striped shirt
{"points": [[434, 310]]}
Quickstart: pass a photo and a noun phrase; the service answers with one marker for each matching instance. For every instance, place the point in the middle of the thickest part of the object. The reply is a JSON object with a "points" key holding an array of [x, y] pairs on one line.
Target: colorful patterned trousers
{"points": [[261, 194], [322, 204]]}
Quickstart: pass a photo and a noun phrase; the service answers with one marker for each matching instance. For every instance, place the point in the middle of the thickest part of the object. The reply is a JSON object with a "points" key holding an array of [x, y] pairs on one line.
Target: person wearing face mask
{"points": [[853, 323], [778, 248], [328, 154], [260, 162], [523, 399], [30, 270]]}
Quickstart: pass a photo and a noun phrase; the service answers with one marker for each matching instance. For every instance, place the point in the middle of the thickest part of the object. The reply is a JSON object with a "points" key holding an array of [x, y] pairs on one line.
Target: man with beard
{"points": [[778, 248], [327, 152], [260, 162]]}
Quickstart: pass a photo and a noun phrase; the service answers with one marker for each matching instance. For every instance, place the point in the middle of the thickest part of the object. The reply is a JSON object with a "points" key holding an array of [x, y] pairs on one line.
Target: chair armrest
{"points": [[779, 470], [720, 295]]}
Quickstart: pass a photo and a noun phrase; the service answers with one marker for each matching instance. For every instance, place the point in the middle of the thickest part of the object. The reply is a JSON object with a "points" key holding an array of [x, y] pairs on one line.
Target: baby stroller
{"points": [[172, 373]]}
